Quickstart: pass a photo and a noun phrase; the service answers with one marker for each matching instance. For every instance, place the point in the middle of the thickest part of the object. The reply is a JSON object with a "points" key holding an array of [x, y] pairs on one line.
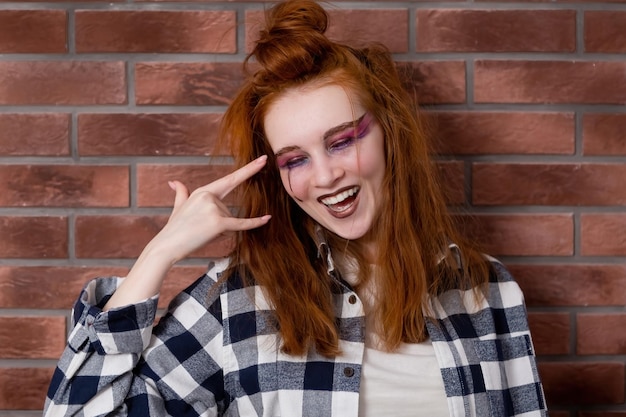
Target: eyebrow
{"points": [[333, 130], [330, 132]]}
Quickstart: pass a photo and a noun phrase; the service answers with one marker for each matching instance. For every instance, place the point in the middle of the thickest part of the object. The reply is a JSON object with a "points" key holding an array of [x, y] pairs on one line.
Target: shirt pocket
{"points": [[510, 374]]}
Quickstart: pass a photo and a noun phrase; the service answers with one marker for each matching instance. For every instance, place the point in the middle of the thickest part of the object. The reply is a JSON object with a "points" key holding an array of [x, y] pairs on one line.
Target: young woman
{"points": [[357, 297]]}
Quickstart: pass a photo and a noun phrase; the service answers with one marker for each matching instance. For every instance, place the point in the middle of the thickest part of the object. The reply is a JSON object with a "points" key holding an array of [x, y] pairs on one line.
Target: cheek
{"points": [[292, 185], [371, 164], [370, 157]]}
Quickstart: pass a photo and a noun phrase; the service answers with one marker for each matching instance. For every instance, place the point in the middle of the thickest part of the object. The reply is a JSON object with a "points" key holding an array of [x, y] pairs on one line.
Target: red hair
{"points": [[413, 229]]}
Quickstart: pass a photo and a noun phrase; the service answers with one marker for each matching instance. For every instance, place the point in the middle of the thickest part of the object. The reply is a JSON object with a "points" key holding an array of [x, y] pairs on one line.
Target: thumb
{"points": [[182, 194]]}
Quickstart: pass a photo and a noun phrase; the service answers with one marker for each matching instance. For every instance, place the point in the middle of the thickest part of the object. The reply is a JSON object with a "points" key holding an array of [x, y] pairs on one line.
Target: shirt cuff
{"points": [[124, 329]]}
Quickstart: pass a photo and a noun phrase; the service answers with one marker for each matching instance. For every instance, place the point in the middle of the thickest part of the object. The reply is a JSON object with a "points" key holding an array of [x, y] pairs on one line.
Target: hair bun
{"points": [[293, 42]]}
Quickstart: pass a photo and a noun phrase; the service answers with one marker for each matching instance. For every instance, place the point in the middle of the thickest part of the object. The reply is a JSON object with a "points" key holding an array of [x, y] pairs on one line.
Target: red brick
{"points": [[601, 334], [456, 30], [126, 236], [156, 31], [558, 285], [361, 27], [47, 287], [434, 82], [583, 383], [548, 184], [33, 31], [33, 237], [453, 181], [604, 31], [182, 83], [472, 133], [603, 234], [523, 234], [32, 337], [58, 287], [45, 134], [550, 82], [64, 186], [115, 236], [62, 82], [355, 27], [603, 134], [152, 187], [147, 134], [550, 333], [24, 388]]}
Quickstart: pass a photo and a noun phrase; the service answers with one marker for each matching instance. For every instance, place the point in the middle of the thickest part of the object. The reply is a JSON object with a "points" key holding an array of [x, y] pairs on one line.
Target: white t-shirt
{"points": [[404, 383]]}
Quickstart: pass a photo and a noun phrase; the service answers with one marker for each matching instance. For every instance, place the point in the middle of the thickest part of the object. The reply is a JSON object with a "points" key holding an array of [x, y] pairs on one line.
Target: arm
{"points": [[196, 219], [98, 372], [80, 384], [485, 351], [116, 364]]}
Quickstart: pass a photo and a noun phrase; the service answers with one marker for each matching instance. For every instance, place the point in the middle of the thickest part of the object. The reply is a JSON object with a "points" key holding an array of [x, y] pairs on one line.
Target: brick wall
{"points": [[101, 102]]}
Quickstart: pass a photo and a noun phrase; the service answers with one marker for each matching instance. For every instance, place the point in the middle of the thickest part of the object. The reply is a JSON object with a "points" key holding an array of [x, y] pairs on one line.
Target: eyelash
{"points": [[346, 141], [337, 145], [294, 162]]}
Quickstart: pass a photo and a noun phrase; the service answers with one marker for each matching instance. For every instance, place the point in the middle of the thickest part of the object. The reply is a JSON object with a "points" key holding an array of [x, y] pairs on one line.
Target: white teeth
{"points": [[340, 197]]}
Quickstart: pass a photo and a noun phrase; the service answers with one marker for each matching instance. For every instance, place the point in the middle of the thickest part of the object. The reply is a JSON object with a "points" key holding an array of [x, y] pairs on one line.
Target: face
{"points": [[330, 155]]}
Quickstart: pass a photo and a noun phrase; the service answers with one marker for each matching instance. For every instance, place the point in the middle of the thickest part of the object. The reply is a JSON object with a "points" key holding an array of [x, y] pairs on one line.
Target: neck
{"points": [[369, 245]]}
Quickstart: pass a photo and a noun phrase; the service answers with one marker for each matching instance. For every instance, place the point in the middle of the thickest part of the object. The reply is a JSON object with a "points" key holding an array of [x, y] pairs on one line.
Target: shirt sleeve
{"points": [[485, 351], [117, 363], [120, 330]]}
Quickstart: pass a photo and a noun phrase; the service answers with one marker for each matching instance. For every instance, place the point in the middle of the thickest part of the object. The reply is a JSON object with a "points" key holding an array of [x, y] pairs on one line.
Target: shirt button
{"points": [[348, 371], [352, 299]]}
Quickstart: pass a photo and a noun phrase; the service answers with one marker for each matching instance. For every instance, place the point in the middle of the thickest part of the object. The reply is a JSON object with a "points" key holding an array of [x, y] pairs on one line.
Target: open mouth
{"points": [[340, 204]]}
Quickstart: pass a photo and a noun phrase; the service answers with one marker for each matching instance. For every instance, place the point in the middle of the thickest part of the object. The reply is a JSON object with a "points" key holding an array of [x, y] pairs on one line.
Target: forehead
{"points": [[306, 113]]}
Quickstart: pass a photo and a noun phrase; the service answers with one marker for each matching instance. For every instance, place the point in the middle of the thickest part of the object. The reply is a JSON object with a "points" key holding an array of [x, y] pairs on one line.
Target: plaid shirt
{"points": [[218, 355]]}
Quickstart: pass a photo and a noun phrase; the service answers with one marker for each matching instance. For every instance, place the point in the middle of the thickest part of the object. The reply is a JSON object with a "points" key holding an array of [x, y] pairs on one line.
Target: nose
{"points": [[326, 172]]}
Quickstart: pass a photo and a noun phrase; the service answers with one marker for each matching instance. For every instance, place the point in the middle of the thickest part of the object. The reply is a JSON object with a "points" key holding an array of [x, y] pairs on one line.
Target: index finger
{"points": [[223, 186]]}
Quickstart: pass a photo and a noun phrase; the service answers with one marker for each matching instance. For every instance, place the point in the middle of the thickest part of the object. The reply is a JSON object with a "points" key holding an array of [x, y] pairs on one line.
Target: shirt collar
{"points": [[323, 250]]}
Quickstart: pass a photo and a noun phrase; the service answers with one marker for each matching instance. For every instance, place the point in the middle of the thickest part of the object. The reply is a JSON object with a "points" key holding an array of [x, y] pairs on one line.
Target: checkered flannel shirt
{"points": [[219, 356]]}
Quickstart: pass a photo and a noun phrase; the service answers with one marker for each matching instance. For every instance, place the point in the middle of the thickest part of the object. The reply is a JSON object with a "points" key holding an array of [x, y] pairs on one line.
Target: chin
{"points": [[349, 233]]}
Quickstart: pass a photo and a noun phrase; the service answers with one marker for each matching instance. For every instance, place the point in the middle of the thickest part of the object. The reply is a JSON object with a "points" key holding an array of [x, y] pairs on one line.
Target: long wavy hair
{"points": [[413, 228]]}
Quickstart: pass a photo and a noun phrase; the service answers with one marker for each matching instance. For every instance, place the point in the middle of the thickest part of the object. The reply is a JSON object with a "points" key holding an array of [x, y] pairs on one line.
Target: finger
{"points": [[235, 224], [223, 186], [182, 194]]}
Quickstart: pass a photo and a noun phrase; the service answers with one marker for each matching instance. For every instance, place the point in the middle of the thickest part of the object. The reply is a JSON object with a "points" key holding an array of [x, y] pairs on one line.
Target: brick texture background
{"points": [[101, 102]]}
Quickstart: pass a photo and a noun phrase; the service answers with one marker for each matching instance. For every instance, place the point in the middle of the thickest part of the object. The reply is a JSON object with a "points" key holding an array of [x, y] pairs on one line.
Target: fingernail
{"points": [[172, 185], [262, 158]]}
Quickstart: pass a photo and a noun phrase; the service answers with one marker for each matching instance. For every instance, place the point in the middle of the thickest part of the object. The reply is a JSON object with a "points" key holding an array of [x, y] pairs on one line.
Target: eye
{"points": [[346, 141], [292, 162], [342, 143]]}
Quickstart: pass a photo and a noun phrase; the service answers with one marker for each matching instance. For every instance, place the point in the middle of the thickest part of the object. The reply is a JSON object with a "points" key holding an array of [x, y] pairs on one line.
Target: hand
{"points": [[202, 217], [196, 220]]}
